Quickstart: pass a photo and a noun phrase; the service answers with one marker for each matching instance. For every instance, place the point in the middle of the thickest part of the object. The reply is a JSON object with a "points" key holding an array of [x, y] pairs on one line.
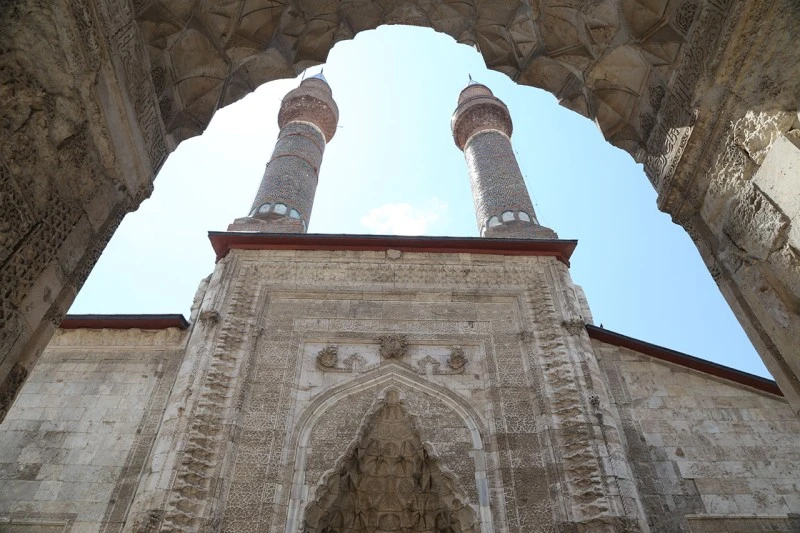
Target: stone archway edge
{"points": [[391, 374], [701, 91]]}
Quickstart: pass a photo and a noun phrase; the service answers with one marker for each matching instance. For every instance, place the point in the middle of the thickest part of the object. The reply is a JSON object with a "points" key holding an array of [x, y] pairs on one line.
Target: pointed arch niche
{"points": [[389, 451]]}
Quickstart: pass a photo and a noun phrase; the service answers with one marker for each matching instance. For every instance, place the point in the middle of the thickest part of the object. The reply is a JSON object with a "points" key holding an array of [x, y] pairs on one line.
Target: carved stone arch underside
{"points": [[389, 480], [609, 60], [454, 434]]}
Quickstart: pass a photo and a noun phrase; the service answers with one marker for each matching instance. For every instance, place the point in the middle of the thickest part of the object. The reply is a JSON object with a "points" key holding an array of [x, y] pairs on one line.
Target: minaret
{"points": [[307, 118], [482, 130]]}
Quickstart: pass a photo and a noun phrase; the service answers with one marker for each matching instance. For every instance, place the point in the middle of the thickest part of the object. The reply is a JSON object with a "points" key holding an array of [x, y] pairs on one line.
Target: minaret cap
{"points": [[320, 76], [311, 102], [478, 109]]}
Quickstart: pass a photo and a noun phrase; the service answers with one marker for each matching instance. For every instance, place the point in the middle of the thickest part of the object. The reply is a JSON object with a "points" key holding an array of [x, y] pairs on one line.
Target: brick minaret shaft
{"points": [[482, 130], [307, 118]]}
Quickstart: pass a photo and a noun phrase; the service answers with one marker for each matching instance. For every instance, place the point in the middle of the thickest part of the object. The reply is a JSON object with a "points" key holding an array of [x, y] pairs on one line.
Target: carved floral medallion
{"points": [[393, 346], [328, 356], [457, 360]]}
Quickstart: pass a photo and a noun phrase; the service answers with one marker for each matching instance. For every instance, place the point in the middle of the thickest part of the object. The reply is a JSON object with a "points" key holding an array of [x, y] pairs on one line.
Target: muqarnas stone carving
{"points": [[389, 481]]}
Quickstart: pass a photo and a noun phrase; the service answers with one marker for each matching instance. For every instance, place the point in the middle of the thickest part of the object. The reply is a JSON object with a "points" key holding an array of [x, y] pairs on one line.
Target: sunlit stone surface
{"points": [[540, 428], [97, 93]]}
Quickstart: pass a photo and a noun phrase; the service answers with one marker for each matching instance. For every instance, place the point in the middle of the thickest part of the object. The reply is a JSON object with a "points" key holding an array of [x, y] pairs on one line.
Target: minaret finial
{"points": [[319, 75], [482, 129], [307, 118]]}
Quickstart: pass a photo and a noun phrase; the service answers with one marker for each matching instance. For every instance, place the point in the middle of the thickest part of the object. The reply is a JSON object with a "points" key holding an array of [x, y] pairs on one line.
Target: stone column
{"points": [[283, 203], [482, 130]]}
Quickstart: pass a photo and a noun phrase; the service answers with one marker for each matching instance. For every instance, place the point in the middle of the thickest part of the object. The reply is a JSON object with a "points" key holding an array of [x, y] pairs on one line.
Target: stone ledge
{"points": [[224, 242], [682, 359], [123, 322]]}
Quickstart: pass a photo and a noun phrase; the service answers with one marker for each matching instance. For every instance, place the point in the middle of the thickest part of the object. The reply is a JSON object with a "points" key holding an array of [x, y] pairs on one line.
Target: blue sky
{"points": [[393, 168]]}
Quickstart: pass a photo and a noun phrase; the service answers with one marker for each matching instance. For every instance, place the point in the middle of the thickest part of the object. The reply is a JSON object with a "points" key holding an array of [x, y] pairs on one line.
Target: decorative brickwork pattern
{"points": [[482, 129], [283, 203]]}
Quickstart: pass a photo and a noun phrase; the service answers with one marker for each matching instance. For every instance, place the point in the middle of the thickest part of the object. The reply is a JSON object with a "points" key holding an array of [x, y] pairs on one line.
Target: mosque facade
{"points": [[352, 383]]}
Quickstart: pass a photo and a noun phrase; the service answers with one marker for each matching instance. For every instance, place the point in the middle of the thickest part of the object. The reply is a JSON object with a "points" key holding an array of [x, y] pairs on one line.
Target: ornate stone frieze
{"points": [[208, 432], [125, 42], [677, 114], [605, 61], [210, 316], [574, 326], [328, 361], [566, 377], [357, 358]]}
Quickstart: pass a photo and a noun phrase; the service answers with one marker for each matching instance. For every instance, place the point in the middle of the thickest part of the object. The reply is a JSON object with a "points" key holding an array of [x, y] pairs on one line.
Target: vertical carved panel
{"points": [[16, 216]]}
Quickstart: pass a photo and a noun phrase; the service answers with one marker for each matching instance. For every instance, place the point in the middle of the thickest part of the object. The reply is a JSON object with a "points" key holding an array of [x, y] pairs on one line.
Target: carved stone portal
{"points": [[389, 482]]}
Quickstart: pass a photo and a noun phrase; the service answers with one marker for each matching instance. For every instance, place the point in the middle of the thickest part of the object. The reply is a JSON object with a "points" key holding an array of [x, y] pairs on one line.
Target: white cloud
{"points": [[403, 218]]}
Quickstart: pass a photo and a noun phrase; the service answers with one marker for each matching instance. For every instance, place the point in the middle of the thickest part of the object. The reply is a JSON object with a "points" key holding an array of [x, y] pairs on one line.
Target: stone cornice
{"points": [[682, 359], [224, 242], [124, 322]]}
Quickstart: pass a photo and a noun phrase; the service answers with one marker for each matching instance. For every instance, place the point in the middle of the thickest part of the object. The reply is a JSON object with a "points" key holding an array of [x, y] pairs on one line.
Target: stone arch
{"points": [[389, 479], [600, 59], [700, 91], [372, 386], [675, 83], [649, 73]]}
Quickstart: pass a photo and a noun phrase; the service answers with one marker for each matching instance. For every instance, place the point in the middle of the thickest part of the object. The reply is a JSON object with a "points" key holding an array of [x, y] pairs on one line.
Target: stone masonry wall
{"points": [[76, 439], [100, 91], [704, 449], [288, 358]]}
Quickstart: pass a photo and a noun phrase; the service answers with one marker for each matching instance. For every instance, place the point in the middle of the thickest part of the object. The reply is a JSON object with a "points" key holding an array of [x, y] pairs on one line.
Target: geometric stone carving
{"points": [[389, 481], [210, 316]]}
